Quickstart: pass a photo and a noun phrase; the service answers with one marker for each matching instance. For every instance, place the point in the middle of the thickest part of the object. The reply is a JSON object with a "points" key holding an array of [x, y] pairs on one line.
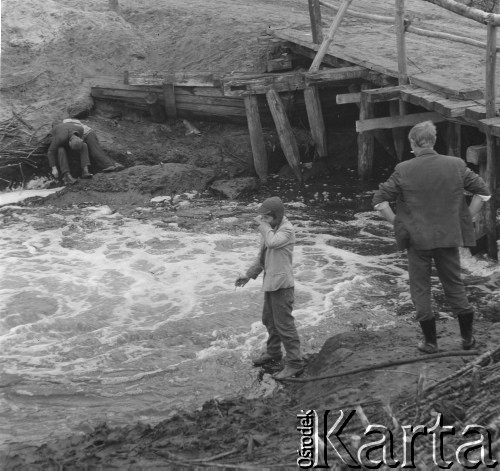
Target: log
{"points": [[468, 12], [169, 100], [329, 37], [315, 17], [359, 14], [285, 133], [364, 125], [316, 122], [256, 137], [365, 140], [401, 42]]}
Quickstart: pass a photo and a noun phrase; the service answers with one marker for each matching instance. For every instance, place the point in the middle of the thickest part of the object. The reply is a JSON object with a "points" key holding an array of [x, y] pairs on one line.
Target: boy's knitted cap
{"points": [[273, 206]]}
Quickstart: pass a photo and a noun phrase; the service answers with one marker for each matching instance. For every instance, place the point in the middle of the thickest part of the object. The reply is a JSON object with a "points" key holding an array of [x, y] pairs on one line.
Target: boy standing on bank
{"points": [[275, 260]]}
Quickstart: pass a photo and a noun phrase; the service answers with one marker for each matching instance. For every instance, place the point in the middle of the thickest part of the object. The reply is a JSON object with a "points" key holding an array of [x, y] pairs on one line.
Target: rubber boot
{"points": [[465, 322], [429, 331]]}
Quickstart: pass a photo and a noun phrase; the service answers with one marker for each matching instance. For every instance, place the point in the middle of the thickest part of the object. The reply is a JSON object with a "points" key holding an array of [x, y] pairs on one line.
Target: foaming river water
{"points": [[106, 317]]}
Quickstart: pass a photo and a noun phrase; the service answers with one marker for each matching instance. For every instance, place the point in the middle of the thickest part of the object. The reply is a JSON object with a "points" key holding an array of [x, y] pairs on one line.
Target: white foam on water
{"points": [[91, 301], [10, 197]]}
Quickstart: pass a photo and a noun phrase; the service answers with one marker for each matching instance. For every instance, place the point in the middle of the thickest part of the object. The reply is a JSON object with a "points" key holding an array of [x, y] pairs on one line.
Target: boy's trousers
{"points": [[280, 324]]}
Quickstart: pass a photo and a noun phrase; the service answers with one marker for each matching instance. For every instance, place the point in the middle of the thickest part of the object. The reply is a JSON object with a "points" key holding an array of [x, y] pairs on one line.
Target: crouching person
{"points": [[275, 260], [67, 138]]}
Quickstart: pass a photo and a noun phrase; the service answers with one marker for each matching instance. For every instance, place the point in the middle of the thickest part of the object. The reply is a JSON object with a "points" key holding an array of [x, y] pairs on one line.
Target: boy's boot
{"points": [[266, 358], [429, 331], [465, 322]]}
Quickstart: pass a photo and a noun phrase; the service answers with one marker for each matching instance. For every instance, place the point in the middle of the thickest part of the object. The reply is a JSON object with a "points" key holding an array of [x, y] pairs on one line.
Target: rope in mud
{"points": [[384, 365]]}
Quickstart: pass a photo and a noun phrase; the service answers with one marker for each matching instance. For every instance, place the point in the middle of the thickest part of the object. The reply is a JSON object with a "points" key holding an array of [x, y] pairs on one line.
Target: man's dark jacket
{"points": [[61, 135], [431, 209]]}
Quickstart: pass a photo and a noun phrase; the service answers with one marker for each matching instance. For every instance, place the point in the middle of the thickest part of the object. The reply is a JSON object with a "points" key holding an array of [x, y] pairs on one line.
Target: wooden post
{"points": [[454, 139], [365, 139], [329, 38], [490, 172], [256, 137], [315, 16], [316, 122], [285, 133], [399, 134], [169, 100]]}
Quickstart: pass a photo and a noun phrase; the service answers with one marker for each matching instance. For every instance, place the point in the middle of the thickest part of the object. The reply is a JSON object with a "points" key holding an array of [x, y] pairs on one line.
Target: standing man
{"points": [[275, 260], [432, 220], [68, 137]]}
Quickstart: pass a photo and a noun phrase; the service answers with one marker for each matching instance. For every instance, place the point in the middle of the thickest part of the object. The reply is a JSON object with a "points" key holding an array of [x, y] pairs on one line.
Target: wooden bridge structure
{"points": [[377, 66]]}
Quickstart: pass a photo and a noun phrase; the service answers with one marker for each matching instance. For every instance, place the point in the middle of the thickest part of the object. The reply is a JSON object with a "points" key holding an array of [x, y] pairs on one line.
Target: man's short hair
{"points": [[423, 134], [75, 142]]}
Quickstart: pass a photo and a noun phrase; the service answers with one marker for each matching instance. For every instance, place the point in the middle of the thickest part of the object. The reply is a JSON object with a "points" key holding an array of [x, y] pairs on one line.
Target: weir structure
{"points": [[367, 66]]}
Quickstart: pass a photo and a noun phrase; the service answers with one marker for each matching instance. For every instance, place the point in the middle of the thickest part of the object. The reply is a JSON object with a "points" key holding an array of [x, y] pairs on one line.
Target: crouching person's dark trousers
{"points": [[100, 159], [447, 261], [280, 324], [63, 154]]}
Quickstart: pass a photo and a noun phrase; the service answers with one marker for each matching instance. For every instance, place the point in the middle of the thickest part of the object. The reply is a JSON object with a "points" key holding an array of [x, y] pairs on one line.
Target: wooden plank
{"points": [[285, 133], [256, 137], [490, 126], [169, 100], [397, 121], [344, 98], [365, 140], [316, 122], [445, 86], [329, 76], [315, 17], [278, 64], [378, 95], [244, 85], [185, 79], [476, 113]]}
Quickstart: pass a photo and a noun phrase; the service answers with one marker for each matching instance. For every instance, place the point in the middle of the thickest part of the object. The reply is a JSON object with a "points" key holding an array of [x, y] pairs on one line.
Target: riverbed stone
{"points": [[237, 187]]}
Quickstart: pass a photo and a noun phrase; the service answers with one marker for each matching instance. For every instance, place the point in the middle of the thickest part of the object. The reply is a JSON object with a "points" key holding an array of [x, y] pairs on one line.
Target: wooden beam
{"points": [[364, 125], [476, 154], [490, 176], [379, 95], [490, 126], [329, 76], [329, 37], [241, 85], [316, 122], [315, 17], [256, 137], [401, 42], [399, 136], [344, 98], [285, 132], [454, 139], [365, 140], [169, 100]]}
